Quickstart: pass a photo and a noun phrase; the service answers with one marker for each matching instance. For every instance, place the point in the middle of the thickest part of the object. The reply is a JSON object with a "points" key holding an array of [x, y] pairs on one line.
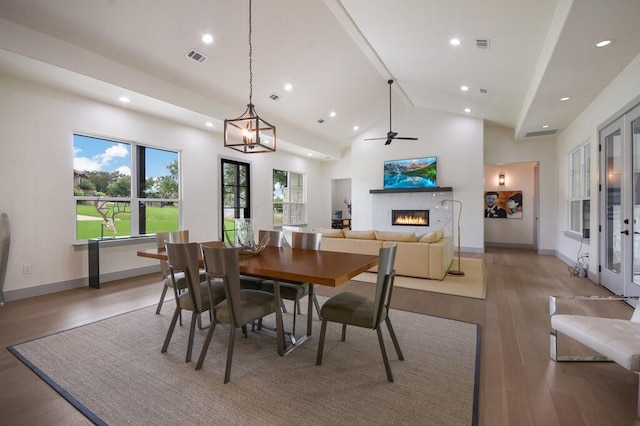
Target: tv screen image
{"points": [[410, 173]]}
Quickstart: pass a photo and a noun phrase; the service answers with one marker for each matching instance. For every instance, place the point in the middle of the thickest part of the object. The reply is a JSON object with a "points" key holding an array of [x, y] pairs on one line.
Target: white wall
{"points": [[36, 164], [620, 92], [456, 140]]}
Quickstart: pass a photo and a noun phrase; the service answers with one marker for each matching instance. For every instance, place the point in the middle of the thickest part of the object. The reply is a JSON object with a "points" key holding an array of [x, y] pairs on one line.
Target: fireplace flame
{"points": [[410, 220]]}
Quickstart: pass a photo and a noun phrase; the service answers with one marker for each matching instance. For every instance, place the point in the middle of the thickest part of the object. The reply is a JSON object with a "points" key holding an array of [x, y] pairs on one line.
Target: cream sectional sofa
{"points": [[426, 257]]}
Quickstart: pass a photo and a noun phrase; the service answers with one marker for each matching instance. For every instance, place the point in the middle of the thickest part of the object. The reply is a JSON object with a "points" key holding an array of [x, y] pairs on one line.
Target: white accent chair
{"points": [[616, 340]]}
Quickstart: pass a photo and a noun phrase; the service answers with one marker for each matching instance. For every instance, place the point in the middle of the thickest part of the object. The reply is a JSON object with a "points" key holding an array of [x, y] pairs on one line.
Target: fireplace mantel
{"points": [[399, 190]]}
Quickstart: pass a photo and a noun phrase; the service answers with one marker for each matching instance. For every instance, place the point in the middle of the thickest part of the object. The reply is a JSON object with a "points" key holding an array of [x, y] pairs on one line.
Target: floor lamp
{"points": [[443, 203]]}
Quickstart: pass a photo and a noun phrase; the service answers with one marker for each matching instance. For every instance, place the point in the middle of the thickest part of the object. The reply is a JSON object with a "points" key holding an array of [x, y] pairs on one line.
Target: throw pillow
{"points": [[396, 236], [359, 235], [431, 237], [329, 233]]}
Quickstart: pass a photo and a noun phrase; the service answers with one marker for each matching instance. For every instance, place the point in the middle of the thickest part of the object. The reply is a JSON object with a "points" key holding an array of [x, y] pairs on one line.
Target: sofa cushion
{"points": [[430, 237], [359, 235], [396, 236], [329, 233]]}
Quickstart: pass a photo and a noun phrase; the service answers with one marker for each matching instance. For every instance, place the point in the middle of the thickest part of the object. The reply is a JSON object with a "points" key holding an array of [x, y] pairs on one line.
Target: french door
{"points": [[236, 195], [620, 205]]}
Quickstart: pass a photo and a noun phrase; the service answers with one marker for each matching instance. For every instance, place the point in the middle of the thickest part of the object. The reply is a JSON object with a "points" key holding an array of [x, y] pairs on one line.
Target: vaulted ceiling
{"points": [[517, 58]]}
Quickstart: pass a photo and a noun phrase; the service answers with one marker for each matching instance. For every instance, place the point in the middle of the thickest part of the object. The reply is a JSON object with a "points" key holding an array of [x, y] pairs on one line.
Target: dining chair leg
{"points": [[296, 311], [205, 346], [167, 339], [227, 371], [344, 332], [162, 296], [315, 302], [323, 331], [387, 367], [192, 332], [394, 339], [284, 308], [244, 331]]}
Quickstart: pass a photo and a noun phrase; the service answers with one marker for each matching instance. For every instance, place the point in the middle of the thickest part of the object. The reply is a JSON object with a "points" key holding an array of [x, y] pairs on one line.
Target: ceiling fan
{"points": [[391, 135]]}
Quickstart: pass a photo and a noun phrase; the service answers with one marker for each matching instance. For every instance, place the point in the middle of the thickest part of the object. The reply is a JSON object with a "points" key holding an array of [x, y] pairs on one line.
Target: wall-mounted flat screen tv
{"points": [[411, 173]]}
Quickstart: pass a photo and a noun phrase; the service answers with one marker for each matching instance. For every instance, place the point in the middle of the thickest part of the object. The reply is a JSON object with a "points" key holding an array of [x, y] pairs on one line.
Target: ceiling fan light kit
{"points": [[391, 135]]}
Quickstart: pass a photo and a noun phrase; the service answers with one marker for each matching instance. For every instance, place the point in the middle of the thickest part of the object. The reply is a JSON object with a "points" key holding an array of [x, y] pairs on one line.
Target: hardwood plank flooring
{"points": [[519, 384]]}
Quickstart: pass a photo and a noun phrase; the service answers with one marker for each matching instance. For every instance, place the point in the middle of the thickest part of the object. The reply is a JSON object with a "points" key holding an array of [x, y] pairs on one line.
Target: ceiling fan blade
{"points": [[374, 139], [388, 141], [408, 139]]}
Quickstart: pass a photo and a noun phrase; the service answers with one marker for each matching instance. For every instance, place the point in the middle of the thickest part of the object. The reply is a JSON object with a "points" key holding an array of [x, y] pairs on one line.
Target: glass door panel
{"points": [[635, 143], [612, 248]]}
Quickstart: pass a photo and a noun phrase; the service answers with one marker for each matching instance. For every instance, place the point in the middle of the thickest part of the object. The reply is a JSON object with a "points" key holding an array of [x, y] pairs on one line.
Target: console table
{"points": [[93, 244]]}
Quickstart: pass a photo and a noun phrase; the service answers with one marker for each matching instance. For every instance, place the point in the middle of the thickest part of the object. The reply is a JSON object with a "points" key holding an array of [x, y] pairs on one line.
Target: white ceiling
{"points": [[337, 54]]}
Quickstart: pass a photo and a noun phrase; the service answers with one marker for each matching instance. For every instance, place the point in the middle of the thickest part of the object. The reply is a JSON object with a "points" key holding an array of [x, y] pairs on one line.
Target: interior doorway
{"points": [[512, 218]]}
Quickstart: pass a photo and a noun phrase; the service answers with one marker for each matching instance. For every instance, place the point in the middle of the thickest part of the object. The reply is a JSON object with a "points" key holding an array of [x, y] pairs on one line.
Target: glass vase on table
{"points": [[244, 237]]}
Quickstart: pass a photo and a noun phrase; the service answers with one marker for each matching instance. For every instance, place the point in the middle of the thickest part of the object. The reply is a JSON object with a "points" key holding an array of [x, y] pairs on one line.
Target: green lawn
{"points": [[158, 219]]}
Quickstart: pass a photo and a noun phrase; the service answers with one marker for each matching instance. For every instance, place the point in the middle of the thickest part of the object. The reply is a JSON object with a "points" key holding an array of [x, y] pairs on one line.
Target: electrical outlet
{"points": [[27, 269]]}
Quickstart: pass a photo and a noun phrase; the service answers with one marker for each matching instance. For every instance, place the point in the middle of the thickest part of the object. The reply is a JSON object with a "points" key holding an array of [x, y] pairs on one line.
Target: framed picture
{"points": [[503, 204]]}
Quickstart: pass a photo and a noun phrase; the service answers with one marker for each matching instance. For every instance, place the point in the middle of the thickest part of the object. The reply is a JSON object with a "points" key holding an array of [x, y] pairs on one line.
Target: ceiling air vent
{"points": [[483, 43], [274, 97], [485, 91], [321, 121], [196, 56], [541, 133]]}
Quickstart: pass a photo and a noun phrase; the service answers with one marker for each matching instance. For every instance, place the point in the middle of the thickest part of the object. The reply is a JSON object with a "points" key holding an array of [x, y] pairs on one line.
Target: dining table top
{"points": [[296, 265]]}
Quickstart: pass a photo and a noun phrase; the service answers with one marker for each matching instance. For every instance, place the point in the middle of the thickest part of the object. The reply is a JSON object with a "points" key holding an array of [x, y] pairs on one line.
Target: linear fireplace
{"points": [[410, 217]]}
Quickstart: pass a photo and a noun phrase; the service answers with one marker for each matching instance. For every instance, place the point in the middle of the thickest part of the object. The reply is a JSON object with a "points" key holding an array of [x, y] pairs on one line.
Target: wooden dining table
{"points": [[295, 266]]}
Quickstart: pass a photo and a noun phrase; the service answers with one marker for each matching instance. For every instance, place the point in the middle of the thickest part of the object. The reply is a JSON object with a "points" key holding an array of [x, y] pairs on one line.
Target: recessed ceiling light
{"points": [[467, 110], [464, 88], [208, 124], [604, 43], [545, 126], [332, 114], [124, 99], [288, 87], [310, 154], [207, 39], [565, 98], [355, 128], [454, 42]]}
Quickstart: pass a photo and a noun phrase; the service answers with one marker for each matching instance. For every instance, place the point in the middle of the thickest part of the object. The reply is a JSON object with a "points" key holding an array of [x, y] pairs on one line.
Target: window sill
{"points": [[576, 236]]}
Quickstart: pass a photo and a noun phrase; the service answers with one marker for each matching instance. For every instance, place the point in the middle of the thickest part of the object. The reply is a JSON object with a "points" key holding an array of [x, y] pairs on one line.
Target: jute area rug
{"points": [[472, 284], [112, 371]]}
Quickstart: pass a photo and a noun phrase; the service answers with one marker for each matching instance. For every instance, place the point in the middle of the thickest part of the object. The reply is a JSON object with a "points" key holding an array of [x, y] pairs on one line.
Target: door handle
{"points": [[625, 232]]}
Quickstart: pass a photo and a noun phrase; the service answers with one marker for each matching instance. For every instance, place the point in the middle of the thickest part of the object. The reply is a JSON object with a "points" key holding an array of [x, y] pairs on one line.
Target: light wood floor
{"points": [[519, 385]]}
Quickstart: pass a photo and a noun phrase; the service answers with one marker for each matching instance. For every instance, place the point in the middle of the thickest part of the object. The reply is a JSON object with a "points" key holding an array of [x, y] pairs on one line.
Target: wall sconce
{"points": [[501, 179]]}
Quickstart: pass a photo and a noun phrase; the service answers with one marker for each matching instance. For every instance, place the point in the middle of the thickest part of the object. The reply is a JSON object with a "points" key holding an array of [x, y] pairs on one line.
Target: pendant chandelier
{"points": [[249, 133]]}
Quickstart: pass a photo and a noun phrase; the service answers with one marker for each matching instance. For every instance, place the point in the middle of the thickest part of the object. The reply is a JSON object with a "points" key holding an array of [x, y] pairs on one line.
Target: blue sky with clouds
{"points": [[93, 154]]}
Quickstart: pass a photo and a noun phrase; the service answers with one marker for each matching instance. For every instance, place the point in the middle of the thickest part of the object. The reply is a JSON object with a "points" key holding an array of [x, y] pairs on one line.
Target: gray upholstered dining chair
{"points": [[296, 291], [181, 236], [353, 309], [240, 307], [198, 296]]}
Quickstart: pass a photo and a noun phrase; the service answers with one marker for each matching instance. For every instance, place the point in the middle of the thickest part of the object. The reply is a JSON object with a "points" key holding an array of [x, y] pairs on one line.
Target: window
{"points": [[106, 174], [579, 202], [236, 195], [289, 198]]}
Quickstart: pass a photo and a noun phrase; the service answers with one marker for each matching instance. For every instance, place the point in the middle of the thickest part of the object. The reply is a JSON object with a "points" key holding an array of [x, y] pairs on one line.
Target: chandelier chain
{"points": [[250, 60]]}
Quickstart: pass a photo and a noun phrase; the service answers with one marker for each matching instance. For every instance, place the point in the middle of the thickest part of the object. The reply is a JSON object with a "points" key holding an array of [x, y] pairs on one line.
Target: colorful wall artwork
{"points": [[503, 204]]}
